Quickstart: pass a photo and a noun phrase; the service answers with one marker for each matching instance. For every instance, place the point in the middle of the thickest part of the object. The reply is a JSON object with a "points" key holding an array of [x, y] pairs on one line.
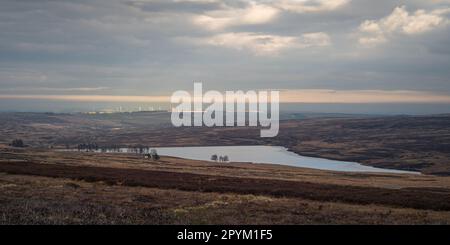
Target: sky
{"points": [[314, 51]]}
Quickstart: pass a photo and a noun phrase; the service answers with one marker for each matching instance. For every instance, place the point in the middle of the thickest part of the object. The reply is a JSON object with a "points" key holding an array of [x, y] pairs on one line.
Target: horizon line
{"points": [[287, 96]]}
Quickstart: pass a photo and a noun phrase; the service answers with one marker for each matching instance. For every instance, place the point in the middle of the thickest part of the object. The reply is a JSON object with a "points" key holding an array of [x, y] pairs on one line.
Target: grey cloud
{"points": [[133, 47], [175, 6]]}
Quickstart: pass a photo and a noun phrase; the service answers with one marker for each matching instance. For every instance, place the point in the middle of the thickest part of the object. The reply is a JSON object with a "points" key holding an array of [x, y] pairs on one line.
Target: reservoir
{"points": [[266, 155]]}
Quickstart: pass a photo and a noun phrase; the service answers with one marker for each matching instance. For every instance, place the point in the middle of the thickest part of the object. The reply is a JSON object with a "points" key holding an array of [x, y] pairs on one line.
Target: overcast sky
{"points": [[154, 47]]}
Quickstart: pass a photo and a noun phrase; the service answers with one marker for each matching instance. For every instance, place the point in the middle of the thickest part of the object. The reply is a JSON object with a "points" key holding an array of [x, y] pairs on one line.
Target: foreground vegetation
{"points": [[41, 200], [50, 187]]}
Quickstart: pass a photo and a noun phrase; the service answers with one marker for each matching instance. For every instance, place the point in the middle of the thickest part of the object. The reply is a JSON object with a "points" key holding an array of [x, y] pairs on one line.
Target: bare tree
{"points": [[214, 158], [154, 154]]}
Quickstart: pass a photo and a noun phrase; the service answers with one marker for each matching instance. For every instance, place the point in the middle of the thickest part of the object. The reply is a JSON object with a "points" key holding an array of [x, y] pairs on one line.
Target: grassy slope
{"points": [[118, 189]]}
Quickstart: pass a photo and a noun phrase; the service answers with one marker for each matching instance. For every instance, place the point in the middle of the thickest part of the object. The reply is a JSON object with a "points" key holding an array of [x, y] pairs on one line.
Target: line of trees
{"points": [[216, 158], [113, 148], [153, 155], [88, 147]]}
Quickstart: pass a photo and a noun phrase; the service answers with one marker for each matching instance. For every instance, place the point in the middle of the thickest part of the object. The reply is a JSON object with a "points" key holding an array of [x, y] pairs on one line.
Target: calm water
{"points": [[265, 154]]}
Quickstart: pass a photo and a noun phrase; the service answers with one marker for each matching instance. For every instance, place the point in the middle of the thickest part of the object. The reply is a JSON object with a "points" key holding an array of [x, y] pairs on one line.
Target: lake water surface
{"points": [[269, 155]]}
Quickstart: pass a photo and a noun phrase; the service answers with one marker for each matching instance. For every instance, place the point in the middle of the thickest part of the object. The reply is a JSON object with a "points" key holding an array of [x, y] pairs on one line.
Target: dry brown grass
{"points": [[42, 200], [419, 198], [315, 197]]}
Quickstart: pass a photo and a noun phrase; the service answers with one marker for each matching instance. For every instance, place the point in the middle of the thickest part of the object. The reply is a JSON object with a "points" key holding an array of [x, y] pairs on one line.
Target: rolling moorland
{"points": [[40, 185], [419, 143]]}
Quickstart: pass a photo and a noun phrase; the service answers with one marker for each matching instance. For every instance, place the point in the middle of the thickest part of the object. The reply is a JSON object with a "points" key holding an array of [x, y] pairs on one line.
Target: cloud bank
{"points": [[153, 47], [314, 96]]}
